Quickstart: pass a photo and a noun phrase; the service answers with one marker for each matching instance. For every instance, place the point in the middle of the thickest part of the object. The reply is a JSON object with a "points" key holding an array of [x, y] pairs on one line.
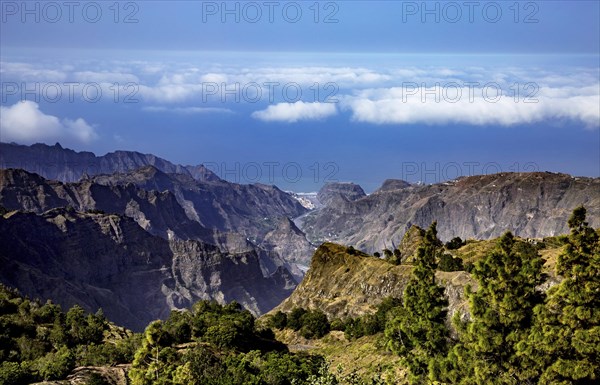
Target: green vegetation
{"points": [[417, 330], [309, 323], [455, 243], [563, 346], [501, 311], [450, 263], [40, 342], [214, 344], [369, 324], [510, 331]]}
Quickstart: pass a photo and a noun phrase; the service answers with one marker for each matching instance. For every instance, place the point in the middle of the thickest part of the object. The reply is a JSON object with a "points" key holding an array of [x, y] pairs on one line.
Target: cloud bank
{"points": [[373, 93], [294, 112], [24, 122]]}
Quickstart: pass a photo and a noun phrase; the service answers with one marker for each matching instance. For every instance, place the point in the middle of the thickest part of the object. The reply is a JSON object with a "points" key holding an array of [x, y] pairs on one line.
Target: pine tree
{"points": [[417, 329], [564, 344], [501, 315]]}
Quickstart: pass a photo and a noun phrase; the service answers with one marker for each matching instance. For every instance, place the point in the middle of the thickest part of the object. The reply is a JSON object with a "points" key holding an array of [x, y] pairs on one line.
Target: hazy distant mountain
{"points": [[58, 163], [108, 261], [529, 204]]}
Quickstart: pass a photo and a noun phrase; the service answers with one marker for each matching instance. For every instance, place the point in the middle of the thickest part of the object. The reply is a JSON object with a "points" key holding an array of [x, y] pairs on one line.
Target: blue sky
{"points": [[299, 93]]}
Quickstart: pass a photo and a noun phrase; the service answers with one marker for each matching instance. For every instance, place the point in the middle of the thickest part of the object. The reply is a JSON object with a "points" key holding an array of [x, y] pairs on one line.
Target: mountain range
{"points": [[139, 236]]}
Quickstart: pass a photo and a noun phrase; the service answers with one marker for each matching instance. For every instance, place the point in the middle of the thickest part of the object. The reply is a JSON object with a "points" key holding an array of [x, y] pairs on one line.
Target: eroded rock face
{"points": [[531, 205], [173, 206], [332, 194], [344, 285], [289, 243], [108, 261]]}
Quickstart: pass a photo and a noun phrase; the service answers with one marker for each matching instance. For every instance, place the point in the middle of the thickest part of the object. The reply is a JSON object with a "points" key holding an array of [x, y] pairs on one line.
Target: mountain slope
{"points": [[346, 283], [532, 205], [219, 213], [108, 261]]}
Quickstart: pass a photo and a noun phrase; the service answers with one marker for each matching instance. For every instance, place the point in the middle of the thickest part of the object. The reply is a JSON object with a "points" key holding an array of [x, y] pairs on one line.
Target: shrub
{"points": [[450, 263], [455, 243], [293, 319], [314, 324], [279, 320]]}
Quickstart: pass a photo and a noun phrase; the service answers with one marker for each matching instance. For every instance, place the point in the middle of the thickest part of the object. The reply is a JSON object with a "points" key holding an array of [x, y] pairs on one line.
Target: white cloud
{"points": [[446, 105], [373, 93], [293, 112], [23, 122]]}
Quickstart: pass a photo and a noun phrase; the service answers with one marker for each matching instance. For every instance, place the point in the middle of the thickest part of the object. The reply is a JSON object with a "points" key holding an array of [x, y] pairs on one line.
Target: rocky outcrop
{"points": [[335, 193], [392, 184], [349, 284], [531, 205], [107, 261]]}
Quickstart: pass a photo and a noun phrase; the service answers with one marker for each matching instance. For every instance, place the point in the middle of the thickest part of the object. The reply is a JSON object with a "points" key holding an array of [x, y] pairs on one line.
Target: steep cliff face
{"points": [[219, 213], [289, 244], [531, 205], [349, 285], [252, 210], [157, 212], [205, 197], [108, 261]]}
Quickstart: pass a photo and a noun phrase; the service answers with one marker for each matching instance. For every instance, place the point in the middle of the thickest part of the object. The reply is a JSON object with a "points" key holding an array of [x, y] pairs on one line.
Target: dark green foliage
{"points": [[226, 348], [369, 324], [55, 365], [310, 323], [338, 325], [96, 379], [377, 254], [450, 263], [564, 344], [417, 330], [84, 329], [501, 311], [14, 373], [178, 326], [469, 266], [314, 324], [395, 257], [455, 243], [38, 341], [351, 250], [279, 320], [294, 321]]}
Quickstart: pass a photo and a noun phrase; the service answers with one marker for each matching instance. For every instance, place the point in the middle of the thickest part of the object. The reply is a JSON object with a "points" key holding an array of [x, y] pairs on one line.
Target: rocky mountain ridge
{"points": [[66, 165], [532, 205], [217, 213], [344, 283], [109, 261]]}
